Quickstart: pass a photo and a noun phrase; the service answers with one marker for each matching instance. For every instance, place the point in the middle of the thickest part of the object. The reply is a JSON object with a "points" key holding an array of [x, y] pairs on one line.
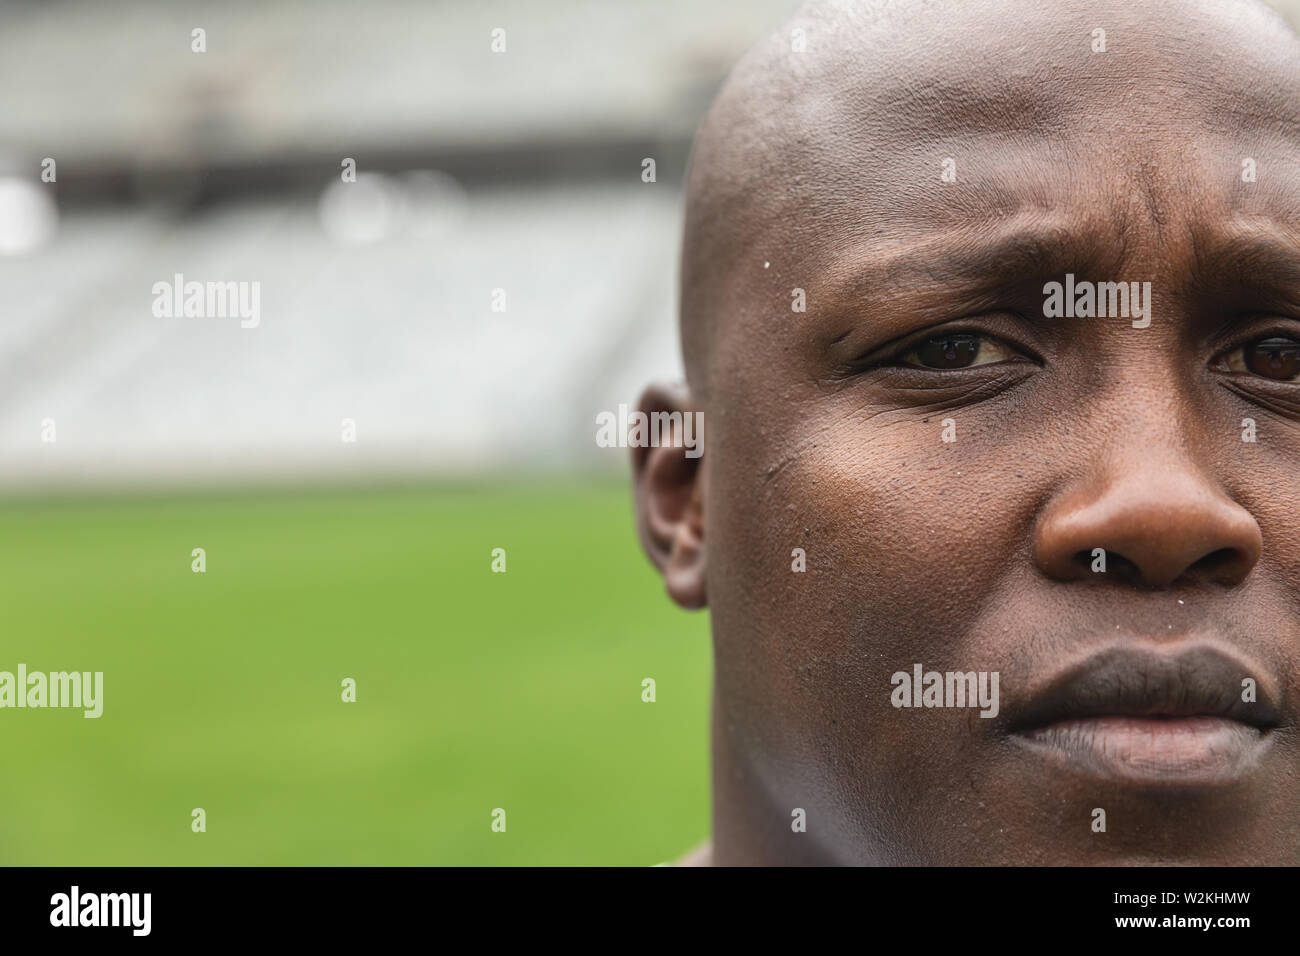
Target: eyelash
{"points": [[893, 358], [1255, 336], [983, 339]]}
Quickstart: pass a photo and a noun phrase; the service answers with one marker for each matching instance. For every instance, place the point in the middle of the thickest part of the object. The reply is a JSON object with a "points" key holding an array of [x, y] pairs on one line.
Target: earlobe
{"points": [[669, 487]]}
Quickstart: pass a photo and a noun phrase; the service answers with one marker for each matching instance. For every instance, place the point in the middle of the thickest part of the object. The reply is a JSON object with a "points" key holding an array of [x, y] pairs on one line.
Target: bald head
{"points": [[829, 140]]}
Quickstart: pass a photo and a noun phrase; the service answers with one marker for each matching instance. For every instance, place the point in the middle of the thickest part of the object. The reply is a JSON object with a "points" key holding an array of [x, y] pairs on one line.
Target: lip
{"points": [[1150, 715]]}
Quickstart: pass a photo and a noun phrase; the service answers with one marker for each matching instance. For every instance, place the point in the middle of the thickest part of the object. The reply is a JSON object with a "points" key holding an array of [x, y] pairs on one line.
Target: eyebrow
{"points": [[1244, 256], [972, 264], [1247, 258], [1257, 265]]}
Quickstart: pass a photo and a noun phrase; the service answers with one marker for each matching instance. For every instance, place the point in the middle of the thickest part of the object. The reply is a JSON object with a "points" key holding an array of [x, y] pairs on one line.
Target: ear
{"points": [[668, 482]]}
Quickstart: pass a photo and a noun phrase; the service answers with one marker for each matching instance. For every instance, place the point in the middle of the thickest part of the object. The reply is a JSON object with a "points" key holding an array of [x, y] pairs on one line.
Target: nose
{"points": [[1158, 523]]}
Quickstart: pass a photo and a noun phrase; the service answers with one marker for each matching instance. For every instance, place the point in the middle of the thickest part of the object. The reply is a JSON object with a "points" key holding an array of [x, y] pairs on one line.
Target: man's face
{"points": [[952, 461]]}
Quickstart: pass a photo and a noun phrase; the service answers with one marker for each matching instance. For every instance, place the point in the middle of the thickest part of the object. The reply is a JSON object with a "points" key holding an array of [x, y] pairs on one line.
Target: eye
{"points": [[1275, 357], [952, 350]]}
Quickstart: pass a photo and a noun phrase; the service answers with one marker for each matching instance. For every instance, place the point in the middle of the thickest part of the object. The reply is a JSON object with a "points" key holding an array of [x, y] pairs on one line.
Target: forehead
{"points": [[838, 154]]}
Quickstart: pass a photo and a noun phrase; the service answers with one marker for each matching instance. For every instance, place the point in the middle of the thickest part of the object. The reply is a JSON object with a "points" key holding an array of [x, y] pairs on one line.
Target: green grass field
{"points": [[475, 690]]}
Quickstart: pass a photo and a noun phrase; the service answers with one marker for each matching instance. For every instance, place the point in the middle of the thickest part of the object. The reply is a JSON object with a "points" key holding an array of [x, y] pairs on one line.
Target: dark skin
{"points": [[823, 432]]}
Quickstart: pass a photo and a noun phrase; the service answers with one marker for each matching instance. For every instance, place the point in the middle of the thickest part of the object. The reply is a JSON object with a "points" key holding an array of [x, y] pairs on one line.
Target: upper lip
{"points": [[1202, 681]]}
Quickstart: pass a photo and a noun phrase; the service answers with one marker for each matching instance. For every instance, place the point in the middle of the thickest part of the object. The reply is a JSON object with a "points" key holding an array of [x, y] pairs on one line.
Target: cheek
{"points": [[904, 540], [1262, 479]]}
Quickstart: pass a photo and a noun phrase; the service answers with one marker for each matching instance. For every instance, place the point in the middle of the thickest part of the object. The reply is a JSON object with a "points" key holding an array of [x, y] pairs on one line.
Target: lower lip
{"points": [[1175, 749]]}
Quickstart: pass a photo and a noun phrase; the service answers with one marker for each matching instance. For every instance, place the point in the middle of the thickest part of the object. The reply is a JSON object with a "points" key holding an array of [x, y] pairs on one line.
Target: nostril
{"points": [[1083, 563], [1216, 564], [1223, 564], [1108, 564]]}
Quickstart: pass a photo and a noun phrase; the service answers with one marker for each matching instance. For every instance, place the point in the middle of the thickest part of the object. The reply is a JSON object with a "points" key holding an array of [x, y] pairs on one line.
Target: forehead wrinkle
{"points": [[1011, 195]]}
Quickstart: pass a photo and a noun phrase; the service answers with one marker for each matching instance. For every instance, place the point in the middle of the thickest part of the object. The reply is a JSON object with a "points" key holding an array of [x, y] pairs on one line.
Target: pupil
{"points": [[1274, 358], [950, 351]]}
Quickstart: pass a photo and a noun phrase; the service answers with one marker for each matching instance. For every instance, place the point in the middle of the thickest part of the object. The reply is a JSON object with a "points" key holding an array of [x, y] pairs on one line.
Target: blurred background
{"points": [[128, 439], [498, 274]]}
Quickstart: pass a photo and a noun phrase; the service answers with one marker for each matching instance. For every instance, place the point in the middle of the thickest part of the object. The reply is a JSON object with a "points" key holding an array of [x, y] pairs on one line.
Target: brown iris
{"points": [[956, 350], [1275, 358]]}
